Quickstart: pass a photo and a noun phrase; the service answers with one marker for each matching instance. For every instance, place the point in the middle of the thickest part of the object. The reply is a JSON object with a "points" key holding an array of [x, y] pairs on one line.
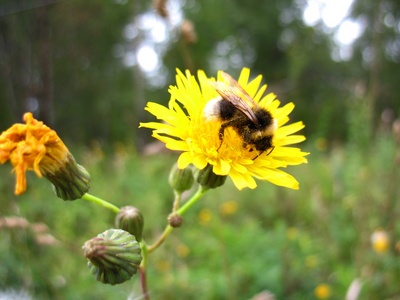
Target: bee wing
{"points": [[234, 84], [233, 96]]}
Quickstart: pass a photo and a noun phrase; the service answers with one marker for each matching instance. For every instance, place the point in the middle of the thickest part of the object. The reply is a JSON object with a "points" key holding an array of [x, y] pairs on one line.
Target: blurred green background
{"points": [[87, 69]]}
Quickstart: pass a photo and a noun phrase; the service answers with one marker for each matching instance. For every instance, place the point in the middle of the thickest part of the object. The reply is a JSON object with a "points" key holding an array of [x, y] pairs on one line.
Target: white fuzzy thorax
{"points": [[212, 111], [270, 130]]}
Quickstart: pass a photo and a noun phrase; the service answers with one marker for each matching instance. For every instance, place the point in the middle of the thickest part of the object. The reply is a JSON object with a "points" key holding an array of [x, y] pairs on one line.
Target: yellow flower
{"points": [[205, 216], [228, 208], [380, 241], [34, 146], [185, 129], [322, 291], [182, 250], [163, 265]]}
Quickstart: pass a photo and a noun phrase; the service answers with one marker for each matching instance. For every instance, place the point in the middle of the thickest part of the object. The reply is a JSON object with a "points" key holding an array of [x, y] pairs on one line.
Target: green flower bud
{"points": [[114, 256], [175, 220], [181, 179], [70, 181], [207, 179], [130, 219]]}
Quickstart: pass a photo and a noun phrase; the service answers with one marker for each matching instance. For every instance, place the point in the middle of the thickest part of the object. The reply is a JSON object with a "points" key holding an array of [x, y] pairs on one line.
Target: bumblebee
{"points": [[235, 108]]}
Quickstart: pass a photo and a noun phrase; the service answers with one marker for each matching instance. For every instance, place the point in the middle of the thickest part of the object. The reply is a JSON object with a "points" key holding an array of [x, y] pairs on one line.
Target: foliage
{"points": [[283, 241]]}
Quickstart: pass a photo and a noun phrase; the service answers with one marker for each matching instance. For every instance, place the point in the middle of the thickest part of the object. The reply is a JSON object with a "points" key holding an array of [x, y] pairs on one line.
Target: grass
{"points": [[287, 242]]}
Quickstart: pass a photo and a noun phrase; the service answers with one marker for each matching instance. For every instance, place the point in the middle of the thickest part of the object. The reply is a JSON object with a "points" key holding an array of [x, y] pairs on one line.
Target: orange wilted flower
{"points": [[34, 146]]}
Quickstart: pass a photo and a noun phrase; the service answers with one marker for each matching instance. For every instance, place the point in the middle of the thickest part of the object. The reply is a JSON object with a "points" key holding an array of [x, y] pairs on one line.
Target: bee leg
{"points": [[272, 149], [245, 145], [222, 131], [225, 125], [221, 135], [258, 155]]}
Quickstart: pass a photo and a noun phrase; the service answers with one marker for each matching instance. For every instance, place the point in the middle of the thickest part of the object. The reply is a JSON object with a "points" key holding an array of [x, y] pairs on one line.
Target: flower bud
{"points": [[175, 220], [188, 32], [114, 256], [208, 179], [161, 8], [181, 179], [71, 181], [131, 220]]}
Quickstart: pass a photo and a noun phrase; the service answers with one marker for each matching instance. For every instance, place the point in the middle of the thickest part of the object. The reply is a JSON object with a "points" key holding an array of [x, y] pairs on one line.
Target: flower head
{"points": [[114, 256], [187, 130], [131, 220], [34, 146]]}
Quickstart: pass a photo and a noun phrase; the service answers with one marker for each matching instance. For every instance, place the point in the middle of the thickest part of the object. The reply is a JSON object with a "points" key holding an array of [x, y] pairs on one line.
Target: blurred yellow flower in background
{"points": [[182, 250], [322, 291], [163, 265], [228, 208], [380, 241], [185, 129], [204, 216]]}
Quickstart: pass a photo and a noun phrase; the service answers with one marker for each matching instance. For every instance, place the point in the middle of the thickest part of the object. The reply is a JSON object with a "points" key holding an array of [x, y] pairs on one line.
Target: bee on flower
{"points": [[230, 126]]}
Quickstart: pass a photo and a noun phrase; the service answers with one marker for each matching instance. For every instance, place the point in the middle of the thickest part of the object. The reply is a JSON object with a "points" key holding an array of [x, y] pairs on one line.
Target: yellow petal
{"points": [[292, 139], [267, 100], [207, 90], [242, 181], [244, 77], [171, 143], [284, 111], [184, 160], [200, 161], [288, 151], [260, 93], [252, 87], [285, 180], [239, 168], [290, 160], [222, 167], [289, 129]]}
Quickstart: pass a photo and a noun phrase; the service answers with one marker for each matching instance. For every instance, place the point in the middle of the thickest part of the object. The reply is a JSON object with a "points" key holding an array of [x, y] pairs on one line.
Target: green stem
{"points": [[199, 194], [142, 270], [176, 201], [100, 202]]}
